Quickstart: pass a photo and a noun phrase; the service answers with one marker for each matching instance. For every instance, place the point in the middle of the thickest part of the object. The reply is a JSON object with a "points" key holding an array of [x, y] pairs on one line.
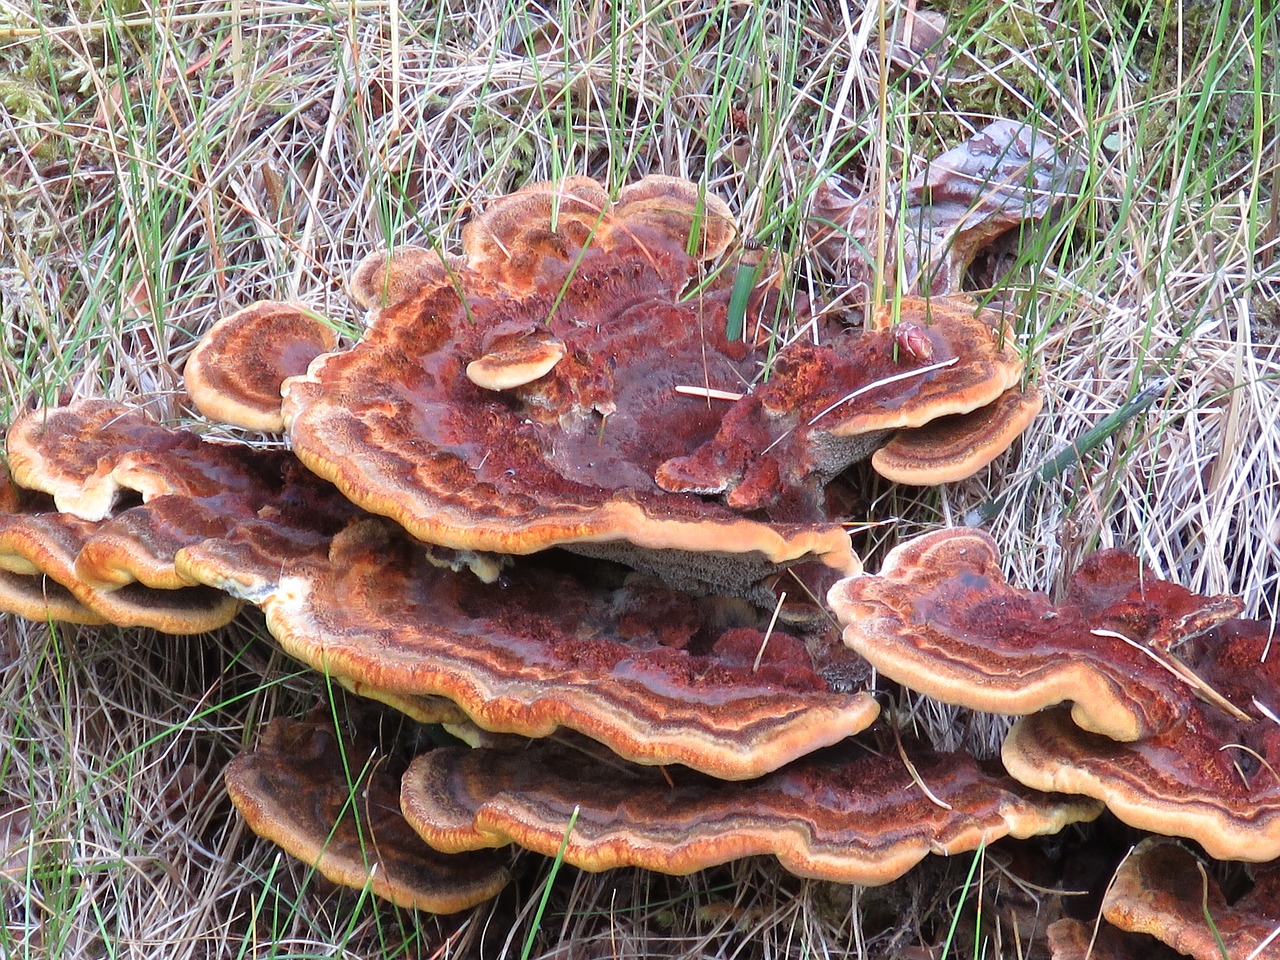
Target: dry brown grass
{"points": [[164, 164]]}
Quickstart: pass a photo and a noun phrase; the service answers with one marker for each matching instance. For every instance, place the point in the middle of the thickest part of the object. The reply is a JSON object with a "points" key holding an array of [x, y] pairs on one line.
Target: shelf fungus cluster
{"points": [[545, 501], [1157, 701], [1164, 902]]}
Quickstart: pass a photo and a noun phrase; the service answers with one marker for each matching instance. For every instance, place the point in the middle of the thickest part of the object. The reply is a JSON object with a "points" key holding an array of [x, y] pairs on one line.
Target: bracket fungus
{"points": [[38, 551], [641, 668], [958, 446], [89, 453], [121, 565], [846, 814], [523, 239], [528, 359], [1069, 939], [345, 593], [83, 454], [1163, 891], [564, 383], [521, 396], [828, 406], [139, 544], [1211, 778], [941, 619], [40, 599], [234, 374], [24, 588], [335, 807], [191, 490], [554, 385]]}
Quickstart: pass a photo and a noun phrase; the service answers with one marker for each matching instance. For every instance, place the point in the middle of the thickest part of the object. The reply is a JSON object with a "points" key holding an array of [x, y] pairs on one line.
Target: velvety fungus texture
{"points": [[846, 814], [521, 396], [234, 374], [1162, 890], [941, 618], [654, 674], [1211, 778], [829, 405], [335, 807]]}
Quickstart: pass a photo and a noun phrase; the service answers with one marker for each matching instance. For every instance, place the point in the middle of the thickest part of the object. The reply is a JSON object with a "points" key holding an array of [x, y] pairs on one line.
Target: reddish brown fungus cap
{"points": [[86, 453], [388, 278], [521, 239], [678, 207], [845, 814], [829, 405], [24, 589], [1072, 940], [192, 490], [76, 453], [1211, 778], [138, 545], [955, 447], [335, 808], [1163, 891], [142, 543], [523, 396], [234, 374], [38, 550], [654, 674], [33, 596], [941, 619]]}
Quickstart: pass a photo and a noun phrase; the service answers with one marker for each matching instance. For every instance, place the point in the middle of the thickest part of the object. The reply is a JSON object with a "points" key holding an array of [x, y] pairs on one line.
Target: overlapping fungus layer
{"points": [[1173, 709], [586, 375], [848, 813], [940, 618], [559, 383]]}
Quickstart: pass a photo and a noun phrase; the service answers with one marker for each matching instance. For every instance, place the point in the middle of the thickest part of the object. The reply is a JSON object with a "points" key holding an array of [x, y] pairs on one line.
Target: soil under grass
{"points": [[164, 164]]}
